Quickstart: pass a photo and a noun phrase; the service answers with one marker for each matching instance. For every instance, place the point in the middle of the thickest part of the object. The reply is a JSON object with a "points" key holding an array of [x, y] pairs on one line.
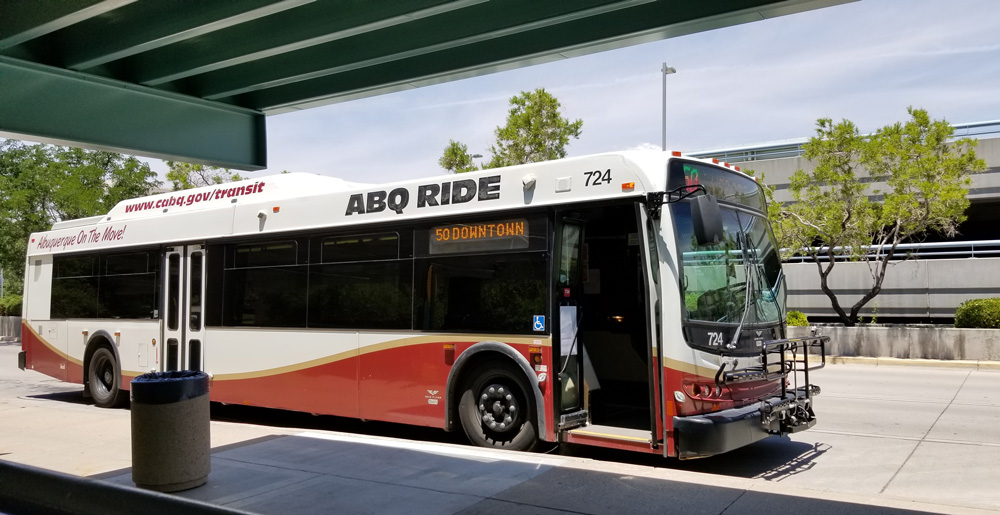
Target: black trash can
{"points": [[171, 430]]}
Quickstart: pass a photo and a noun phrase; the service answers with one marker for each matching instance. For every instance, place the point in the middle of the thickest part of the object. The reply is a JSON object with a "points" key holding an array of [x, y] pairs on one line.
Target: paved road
{"points": [[891, 434], [921, 433]]}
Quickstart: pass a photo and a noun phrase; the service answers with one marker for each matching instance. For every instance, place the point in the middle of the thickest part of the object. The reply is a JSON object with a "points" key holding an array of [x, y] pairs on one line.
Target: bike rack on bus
{"points": [[782, 357], [779, 359]]}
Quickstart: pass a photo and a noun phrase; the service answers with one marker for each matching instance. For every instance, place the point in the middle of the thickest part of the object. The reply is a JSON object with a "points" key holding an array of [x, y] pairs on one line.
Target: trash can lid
{"points": [[168, 387]]}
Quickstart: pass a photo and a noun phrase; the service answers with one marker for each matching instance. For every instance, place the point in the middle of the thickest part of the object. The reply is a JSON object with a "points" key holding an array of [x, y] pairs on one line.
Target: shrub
{"points": [[978, 313], [797, 318], [10, 305]]}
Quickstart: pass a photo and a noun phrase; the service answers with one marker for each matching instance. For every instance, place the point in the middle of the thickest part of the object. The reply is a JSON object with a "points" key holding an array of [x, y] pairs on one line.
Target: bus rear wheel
{"points": [[103, 383], [496, 409]]}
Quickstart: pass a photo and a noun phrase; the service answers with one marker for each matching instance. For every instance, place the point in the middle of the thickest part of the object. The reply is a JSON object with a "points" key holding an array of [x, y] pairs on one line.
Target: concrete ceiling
{"points": [[194, 80]]}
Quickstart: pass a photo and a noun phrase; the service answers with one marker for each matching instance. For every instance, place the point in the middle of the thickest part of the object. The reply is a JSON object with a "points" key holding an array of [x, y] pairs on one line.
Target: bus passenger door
{"points": [[650, 261], [183, 309], [569, 289]]}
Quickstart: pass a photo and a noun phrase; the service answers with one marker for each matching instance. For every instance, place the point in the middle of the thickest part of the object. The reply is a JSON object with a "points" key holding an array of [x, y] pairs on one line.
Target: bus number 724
{"points": [[597, 177]]}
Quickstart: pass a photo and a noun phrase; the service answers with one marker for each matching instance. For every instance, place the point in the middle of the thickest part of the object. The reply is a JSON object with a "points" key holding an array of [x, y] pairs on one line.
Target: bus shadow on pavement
{"points": [[797, 465], [299, 420], [773, 459], [68, 397]]}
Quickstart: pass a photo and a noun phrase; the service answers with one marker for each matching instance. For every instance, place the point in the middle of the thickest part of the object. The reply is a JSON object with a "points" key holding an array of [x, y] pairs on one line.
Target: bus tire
{"points": [[496, 409], [103, 383]]}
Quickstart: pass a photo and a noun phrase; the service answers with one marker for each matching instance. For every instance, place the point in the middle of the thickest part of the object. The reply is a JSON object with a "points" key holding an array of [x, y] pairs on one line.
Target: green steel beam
{"points": [[433, 51], [22, 21], [311, 25], [42, 103], [156, 25], [455, 45], [241, 82]]}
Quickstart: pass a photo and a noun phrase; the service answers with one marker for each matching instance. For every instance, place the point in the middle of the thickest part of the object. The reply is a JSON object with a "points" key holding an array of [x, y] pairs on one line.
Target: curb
{"points": [[907, 362]]}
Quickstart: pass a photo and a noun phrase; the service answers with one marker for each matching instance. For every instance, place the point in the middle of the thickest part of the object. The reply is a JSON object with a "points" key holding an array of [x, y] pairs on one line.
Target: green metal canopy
{"points": [[193, 80]]}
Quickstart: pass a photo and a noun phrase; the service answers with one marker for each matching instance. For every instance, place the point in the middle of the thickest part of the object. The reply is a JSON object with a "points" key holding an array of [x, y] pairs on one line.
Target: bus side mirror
{"points": [[707, 219]]}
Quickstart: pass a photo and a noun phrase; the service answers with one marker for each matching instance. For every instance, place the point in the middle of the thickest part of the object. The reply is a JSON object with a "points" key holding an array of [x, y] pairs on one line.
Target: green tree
{"points": [[535, 131], [456, 158], [836, 212], [44, 184], [184, 176]]}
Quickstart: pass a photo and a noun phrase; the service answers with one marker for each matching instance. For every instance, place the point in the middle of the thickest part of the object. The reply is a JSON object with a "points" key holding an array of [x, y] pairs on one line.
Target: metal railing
{"points": [[793, 147], [935, 250]]}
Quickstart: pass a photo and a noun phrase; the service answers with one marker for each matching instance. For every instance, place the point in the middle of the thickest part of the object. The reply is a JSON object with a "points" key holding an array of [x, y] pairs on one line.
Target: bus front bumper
{"points": [[700, 436], [22, 358]]}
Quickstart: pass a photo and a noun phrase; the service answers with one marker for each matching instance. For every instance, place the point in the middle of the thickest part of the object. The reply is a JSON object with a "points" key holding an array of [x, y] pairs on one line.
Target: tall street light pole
{"points": [[666, 71]]}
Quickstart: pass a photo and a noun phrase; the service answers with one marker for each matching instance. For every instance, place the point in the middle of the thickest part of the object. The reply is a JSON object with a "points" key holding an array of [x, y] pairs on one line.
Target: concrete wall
{"points": [[926, 289], [909, 342], [10, 327], [777, 173]]}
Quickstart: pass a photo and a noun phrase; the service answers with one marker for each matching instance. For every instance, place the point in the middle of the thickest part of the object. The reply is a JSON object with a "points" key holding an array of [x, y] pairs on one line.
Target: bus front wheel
{"points": [[103, 383], [497, 410]]}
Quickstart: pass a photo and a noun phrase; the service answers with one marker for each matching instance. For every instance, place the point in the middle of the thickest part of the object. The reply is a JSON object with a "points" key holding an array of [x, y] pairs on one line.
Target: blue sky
{"points": [[764, 81]]}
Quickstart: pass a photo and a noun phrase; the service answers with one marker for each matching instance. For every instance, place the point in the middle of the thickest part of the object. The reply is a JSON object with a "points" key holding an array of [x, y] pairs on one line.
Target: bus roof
{"points": [[299, 201]]}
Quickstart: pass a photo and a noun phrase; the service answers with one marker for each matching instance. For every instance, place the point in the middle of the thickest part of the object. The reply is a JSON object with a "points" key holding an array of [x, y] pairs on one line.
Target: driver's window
{"points": [[714, 275]]}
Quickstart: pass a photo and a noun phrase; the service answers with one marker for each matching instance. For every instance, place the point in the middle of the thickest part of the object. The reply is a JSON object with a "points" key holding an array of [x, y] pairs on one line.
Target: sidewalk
{"points": [[314, 472]]}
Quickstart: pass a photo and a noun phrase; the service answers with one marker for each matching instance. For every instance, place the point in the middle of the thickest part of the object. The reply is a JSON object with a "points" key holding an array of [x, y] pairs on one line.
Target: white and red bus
{"points": [[625, 300]]}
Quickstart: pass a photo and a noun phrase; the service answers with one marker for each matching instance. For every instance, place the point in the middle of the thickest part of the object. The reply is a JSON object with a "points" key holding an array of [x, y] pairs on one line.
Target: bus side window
{"points": [[494, 293]]}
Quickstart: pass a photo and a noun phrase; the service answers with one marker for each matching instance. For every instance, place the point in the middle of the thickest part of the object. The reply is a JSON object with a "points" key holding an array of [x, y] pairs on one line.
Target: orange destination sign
{"points": [[502, 235]]}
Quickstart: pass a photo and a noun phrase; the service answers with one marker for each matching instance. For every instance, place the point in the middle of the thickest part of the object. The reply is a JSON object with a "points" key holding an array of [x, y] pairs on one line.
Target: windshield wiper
{"points": [[748, 272]]}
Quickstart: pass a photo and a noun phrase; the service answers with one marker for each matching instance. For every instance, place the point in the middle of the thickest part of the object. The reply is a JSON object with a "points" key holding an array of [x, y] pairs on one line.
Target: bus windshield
{"points": [[719, 280]]}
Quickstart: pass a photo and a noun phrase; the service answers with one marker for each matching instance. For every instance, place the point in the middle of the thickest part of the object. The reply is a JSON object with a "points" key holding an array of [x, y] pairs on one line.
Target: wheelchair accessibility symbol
{"points": [[539, 323]]}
